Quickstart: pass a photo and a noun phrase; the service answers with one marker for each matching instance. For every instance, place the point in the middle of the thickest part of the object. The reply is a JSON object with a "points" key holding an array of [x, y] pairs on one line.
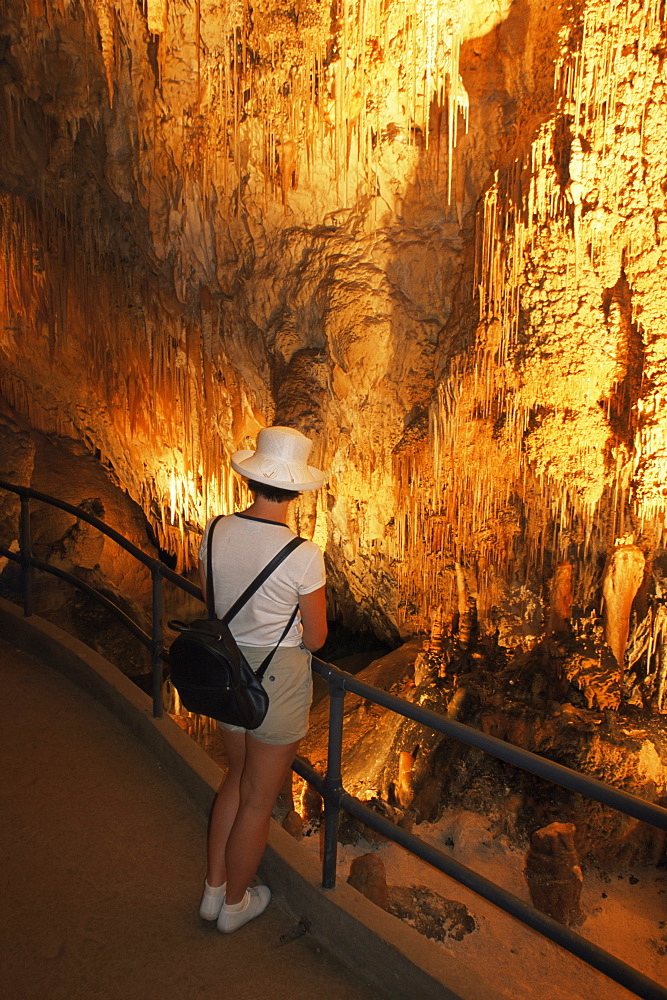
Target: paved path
{"points": [[101, 864]]}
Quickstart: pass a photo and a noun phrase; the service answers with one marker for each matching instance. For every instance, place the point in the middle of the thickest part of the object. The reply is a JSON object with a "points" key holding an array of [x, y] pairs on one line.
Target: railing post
{"points": [[26, 568], [156, 645], [333, 783]]}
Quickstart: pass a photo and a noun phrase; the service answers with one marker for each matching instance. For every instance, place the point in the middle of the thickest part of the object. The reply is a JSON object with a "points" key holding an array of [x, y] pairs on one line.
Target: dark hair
{"points": [[271, 492]]}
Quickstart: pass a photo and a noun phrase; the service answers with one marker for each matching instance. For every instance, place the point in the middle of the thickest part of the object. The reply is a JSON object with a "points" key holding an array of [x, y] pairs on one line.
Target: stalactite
{"points": [[156, 15], [288, 96], [38, 289], [106, 19], [485, 407], [264, 66]]}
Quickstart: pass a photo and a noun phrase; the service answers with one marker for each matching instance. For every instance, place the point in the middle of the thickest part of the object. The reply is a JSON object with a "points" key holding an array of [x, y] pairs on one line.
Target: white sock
{"points": [[215, 890], [236, 907], [212, 899]]}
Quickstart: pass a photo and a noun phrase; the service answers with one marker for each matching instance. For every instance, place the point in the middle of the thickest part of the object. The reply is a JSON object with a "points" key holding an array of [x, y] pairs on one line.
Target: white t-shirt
{"points": [[242, 547]]}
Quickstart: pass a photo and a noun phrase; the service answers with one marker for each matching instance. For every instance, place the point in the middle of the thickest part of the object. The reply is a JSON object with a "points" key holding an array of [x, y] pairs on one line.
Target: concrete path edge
{"points": [[383, 950]]}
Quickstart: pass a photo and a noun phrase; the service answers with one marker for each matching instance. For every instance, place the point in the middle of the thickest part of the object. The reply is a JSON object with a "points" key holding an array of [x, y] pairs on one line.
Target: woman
{"points": [[260, 759]]}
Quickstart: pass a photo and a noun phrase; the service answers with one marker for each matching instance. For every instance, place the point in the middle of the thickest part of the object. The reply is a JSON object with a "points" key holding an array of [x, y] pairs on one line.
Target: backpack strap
{"points": [[210, 598], [253, 586], [250, 589], [262, 668], [260, 578]]}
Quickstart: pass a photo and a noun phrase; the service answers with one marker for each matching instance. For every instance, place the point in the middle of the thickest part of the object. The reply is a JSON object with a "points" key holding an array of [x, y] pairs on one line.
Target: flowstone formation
{"points": [[429, 234]]}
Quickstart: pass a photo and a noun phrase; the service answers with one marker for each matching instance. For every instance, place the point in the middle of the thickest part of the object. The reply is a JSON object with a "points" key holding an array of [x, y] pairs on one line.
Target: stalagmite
{"points": [[311, 804], [623, 575], [404, 784], [553, 873], [468, 624], [293, 824], [561, 598], [368, 876], [462, 592], [438, 631], [467, 610]]}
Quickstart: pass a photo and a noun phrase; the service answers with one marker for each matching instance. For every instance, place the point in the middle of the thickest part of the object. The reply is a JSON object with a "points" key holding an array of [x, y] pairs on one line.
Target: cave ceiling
{"points": [[429, 234]]}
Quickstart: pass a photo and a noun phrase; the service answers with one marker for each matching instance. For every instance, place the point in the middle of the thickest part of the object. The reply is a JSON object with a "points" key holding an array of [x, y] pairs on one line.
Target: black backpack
{"points": [[207, 668]]}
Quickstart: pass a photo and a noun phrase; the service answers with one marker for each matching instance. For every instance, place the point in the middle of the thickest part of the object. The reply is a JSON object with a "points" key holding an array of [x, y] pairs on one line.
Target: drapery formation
{"points": [[428, 234]]}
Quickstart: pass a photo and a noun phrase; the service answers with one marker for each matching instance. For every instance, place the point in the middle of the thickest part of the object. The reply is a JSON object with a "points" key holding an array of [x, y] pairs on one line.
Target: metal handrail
{"points": [[150, 561], [330, 785], [62, 574], [154, 641], [593, 955]]}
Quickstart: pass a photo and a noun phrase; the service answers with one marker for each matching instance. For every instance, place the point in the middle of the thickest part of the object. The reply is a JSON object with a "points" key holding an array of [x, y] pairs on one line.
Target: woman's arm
{"points": [[202, 579], [313, 608]]}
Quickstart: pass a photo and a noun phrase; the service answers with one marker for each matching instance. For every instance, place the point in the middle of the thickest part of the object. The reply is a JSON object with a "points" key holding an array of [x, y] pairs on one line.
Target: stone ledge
{"points": [[387, 953]]}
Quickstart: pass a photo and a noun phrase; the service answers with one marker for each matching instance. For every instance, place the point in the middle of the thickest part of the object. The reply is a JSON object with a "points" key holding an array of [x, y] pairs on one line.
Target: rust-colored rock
{"points": [[312, 804], [553, 873], [368, 876], [430, 913], [293, 824], [560, 610]]}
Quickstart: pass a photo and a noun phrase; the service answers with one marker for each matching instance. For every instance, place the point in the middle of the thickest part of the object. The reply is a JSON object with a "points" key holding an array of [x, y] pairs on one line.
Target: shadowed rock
{"points": [[553, 873], [431, 914]]}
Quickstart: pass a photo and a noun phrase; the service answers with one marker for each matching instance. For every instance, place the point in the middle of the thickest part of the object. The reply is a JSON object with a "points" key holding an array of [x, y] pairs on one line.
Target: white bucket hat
{"points": [[280, 460]]}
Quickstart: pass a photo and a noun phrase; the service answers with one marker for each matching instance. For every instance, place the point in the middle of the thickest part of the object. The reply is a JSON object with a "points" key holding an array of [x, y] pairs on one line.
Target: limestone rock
{"points": [[553, 873], [293, 824], [368, 876], [622, 578], [475, 389], [311, 804], [431, 914]]}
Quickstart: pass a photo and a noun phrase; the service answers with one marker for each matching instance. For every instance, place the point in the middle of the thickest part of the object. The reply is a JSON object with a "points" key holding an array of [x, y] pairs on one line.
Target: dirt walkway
{"points": [[101, 863]]}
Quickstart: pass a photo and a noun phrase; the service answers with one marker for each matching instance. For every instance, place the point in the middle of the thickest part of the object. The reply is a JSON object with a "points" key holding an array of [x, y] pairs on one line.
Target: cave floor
{"points": [[102, 860]]}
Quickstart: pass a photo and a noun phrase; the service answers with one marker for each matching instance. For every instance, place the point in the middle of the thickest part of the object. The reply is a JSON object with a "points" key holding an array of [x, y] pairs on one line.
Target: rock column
{"points": [[553, 873]]}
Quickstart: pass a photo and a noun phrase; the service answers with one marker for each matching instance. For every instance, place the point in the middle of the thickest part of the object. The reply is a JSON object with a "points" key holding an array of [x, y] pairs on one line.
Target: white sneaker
{"points": [[253, 903], [211, 901]]}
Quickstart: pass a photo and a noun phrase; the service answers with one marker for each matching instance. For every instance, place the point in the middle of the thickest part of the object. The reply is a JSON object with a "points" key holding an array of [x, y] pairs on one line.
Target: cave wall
{"points": [[427, 234]]}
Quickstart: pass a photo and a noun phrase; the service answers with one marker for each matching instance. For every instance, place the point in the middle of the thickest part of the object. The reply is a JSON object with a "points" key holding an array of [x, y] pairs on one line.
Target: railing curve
{"points": [[159, 572], [330, 785]]}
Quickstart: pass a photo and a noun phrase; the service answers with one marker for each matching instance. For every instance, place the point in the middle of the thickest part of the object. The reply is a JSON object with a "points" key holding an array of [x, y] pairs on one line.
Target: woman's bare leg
{"points": [[264, 772], [225, 807]]}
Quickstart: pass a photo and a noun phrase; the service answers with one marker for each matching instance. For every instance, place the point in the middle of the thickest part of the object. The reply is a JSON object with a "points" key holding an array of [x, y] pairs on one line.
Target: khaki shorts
{"points": [[288, 682]]}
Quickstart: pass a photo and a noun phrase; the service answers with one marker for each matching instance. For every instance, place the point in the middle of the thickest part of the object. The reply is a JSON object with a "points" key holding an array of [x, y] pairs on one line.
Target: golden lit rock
{"points": [[431, 234]]}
